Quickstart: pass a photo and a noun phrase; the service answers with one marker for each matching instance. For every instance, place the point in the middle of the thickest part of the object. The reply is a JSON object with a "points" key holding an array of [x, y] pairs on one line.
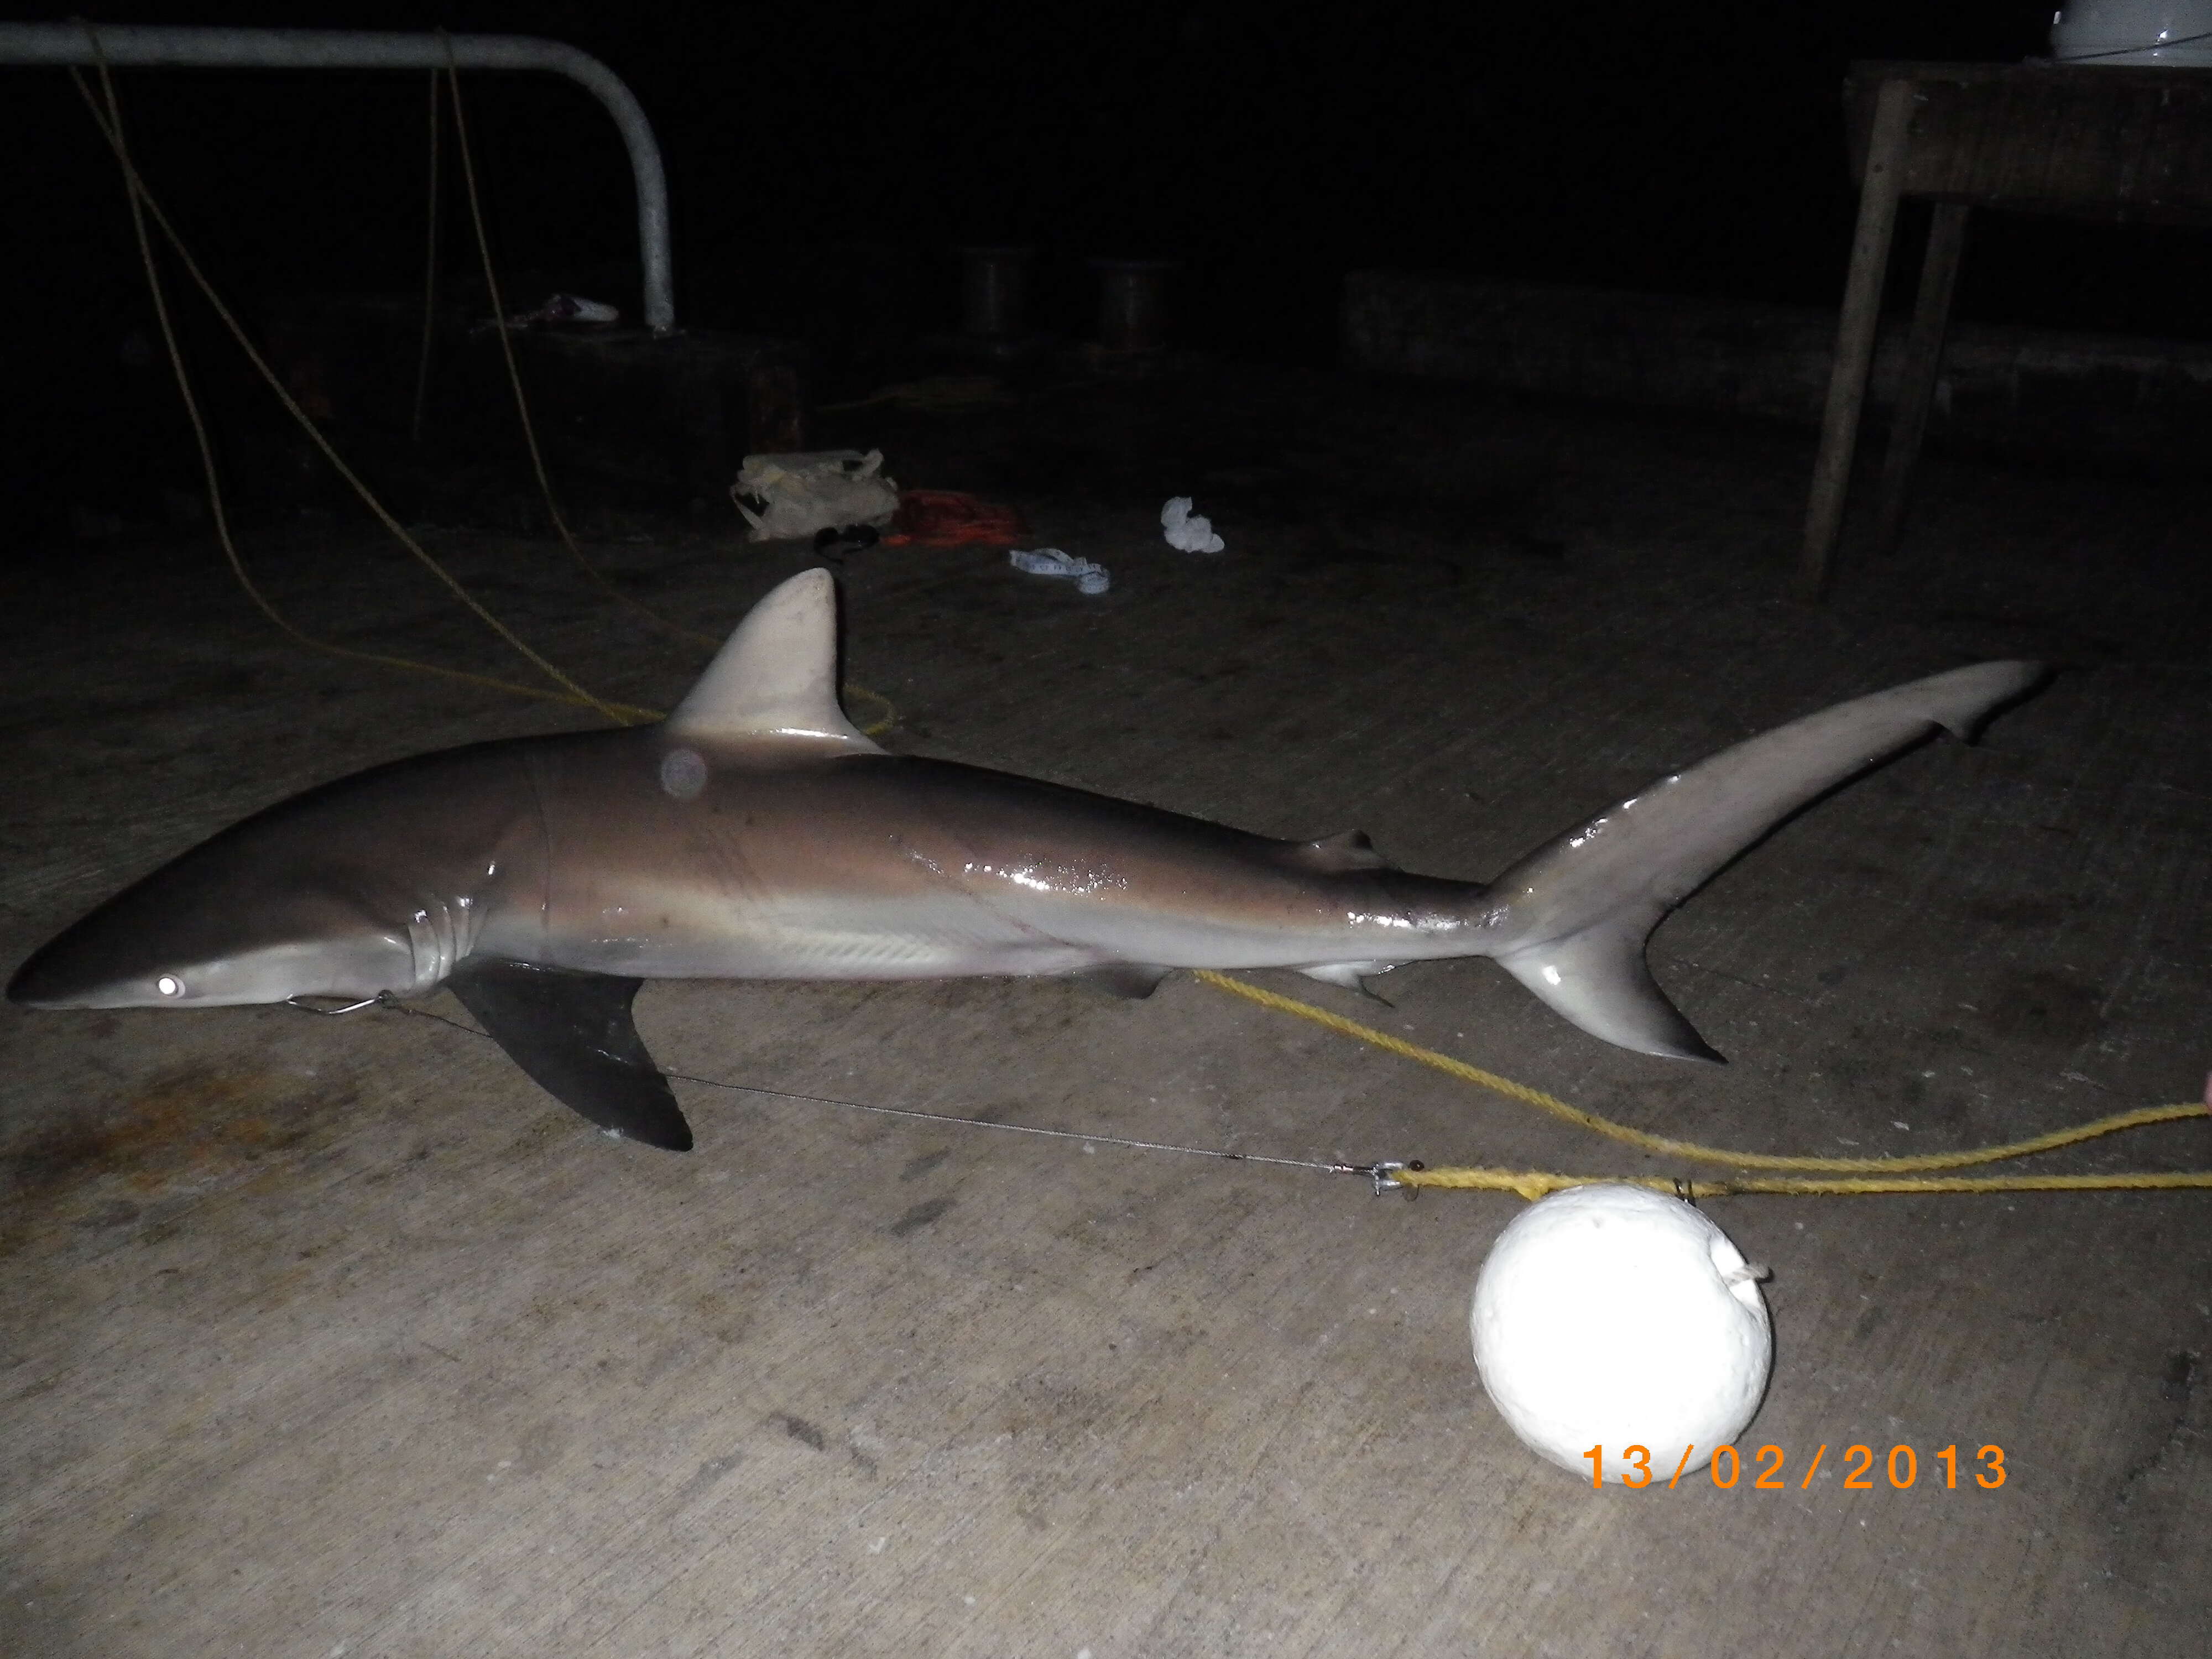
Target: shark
{"points": [[757, 834]]}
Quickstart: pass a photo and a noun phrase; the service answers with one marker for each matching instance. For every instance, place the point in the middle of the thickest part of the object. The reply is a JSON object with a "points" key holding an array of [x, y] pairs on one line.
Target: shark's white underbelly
{"points": [[938, 936]]}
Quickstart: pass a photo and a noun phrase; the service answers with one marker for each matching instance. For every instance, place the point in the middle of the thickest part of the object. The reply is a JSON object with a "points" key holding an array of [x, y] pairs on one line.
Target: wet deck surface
{"points": [[329, 1337]]}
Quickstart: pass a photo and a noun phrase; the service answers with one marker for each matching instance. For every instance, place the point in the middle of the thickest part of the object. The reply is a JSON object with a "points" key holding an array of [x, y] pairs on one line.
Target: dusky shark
{"points": [[756, 833]]}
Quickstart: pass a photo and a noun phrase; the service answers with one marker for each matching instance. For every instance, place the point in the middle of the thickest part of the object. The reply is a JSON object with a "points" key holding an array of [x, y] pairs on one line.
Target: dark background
{"points": [[825, 161]]}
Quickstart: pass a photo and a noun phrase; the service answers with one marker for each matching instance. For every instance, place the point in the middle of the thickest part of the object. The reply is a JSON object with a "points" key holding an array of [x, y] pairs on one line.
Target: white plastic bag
{"points": [[789, 497], [1192, 532]]}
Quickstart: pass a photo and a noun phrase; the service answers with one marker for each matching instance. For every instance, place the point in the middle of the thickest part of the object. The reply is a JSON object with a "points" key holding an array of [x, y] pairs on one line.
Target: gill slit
{"points": [[530, 767]]}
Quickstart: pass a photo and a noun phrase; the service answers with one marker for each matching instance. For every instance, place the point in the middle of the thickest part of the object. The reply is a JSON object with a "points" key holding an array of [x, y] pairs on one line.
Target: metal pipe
{"points": [[160, 46]]}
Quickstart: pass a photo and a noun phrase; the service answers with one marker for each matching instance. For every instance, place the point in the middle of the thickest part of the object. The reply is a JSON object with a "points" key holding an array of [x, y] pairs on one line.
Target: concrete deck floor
{"points": [[325, 1337]]}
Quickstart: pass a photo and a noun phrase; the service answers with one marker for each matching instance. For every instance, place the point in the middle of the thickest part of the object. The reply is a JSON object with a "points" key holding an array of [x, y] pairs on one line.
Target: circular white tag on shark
{"points": [[683, 773]]}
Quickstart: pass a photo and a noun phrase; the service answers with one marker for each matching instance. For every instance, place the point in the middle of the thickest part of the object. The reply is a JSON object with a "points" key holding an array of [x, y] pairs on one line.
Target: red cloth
{"points": [[951, 518]]}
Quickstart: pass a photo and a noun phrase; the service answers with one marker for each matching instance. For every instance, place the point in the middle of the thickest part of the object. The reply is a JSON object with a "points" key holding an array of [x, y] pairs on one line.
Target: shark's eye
{"points": [[169, 986]]}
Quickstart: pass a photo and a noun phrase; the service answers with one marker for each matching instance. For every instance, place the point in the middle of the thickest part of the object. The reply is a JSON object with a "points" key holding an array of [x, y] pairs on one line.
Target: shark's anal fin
{"points": [[571, 1033], [1349, 849], [1352, 976], [1131, 981]]}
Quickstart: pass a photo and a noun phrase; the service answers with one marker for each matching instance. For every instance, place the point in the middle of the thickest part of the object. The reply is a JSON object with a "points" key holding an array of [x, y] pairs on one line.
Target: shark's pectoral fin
{"points": [[1352, 976], [571, 1033], [1132, 981], [1598, 978]]}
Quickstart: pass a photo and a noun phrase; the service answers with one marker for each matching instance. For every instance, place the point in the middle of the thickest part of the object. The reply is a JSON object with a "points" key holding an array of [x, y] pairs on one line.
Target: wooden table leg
{"points": [[1923, 354], [1855, 334]]}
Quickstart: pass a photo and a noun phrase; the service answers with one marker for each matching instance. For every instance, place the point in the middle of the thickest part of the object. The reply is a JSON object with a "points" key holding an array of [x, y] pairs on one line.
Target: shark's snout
{"points": [[79, 969], [35, 986], [153, 947], [56, 976]]}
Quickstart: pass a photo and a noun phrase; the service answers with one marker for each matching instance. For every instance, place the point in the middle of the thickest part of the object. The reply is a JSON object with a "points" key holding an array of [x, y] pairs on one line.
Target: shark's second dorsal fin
{"points": [[776, 675]]}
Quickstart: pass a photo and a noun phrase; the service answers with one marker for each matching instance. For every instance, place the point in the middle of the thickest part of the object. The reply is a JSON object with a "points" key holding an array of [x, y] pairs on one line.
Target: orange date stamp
{"points": [[1985, 1468]]}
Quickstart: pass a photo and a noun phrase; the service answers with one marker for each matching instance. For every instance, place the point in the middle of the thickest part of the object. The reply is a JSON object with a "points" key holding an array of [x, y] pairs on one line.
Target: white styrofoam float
{"points": [[1620, 1333]]}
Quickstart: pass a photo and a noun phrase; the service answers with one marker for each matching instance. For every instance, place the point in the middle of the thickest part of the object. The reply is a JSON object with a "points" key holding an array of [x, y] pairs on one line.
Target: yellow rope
{"points": [[514, 371], [1533, 1184], [1884, 1172], [885, 721], [890, 714], [144, 205]]}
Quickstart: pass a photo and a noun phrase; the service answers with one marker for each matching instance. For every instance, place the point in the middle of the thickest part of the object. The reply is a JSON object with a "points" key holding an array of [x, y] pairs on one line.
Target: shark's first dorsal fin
{"points": [[776, 677]]}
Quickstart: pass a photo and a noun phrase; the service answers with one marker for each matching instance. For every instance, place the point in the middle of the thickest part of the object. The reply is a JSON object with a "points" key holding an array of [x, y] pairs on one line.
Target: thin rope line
{"points": [[942, 1117], [1024, 1128], [429, 272], [143, 205], [514, 371], [1529, 1184], [890, 715], [213, 480], [138, 194]]}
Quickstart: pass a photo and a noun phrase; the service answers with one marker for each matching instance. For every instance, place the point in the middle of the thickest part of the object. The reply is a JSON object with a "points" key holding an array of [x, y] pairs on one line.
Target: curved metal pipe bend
{"points": [[163, 46]]}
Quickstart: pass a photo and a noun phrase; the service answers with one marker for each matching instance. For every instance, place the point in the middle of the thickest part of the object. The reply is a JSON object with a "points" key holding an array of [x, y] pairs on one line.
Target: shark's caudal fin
{"points": [[1576, 913], [776, 677]]}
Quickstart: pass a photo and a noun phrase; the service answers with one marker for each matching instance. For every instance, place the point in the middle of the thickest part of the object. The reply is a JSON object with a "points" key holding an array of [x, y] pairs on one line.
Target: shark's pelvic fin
{"points": [[776, 675], [1573, 916], [571, 1033]]}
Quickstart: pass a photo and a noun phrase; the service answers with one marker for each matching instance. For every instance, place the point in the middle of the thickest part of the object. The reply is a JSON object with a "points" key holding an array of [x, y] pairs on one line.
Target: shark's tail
{"points": [[1576, 913]]}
